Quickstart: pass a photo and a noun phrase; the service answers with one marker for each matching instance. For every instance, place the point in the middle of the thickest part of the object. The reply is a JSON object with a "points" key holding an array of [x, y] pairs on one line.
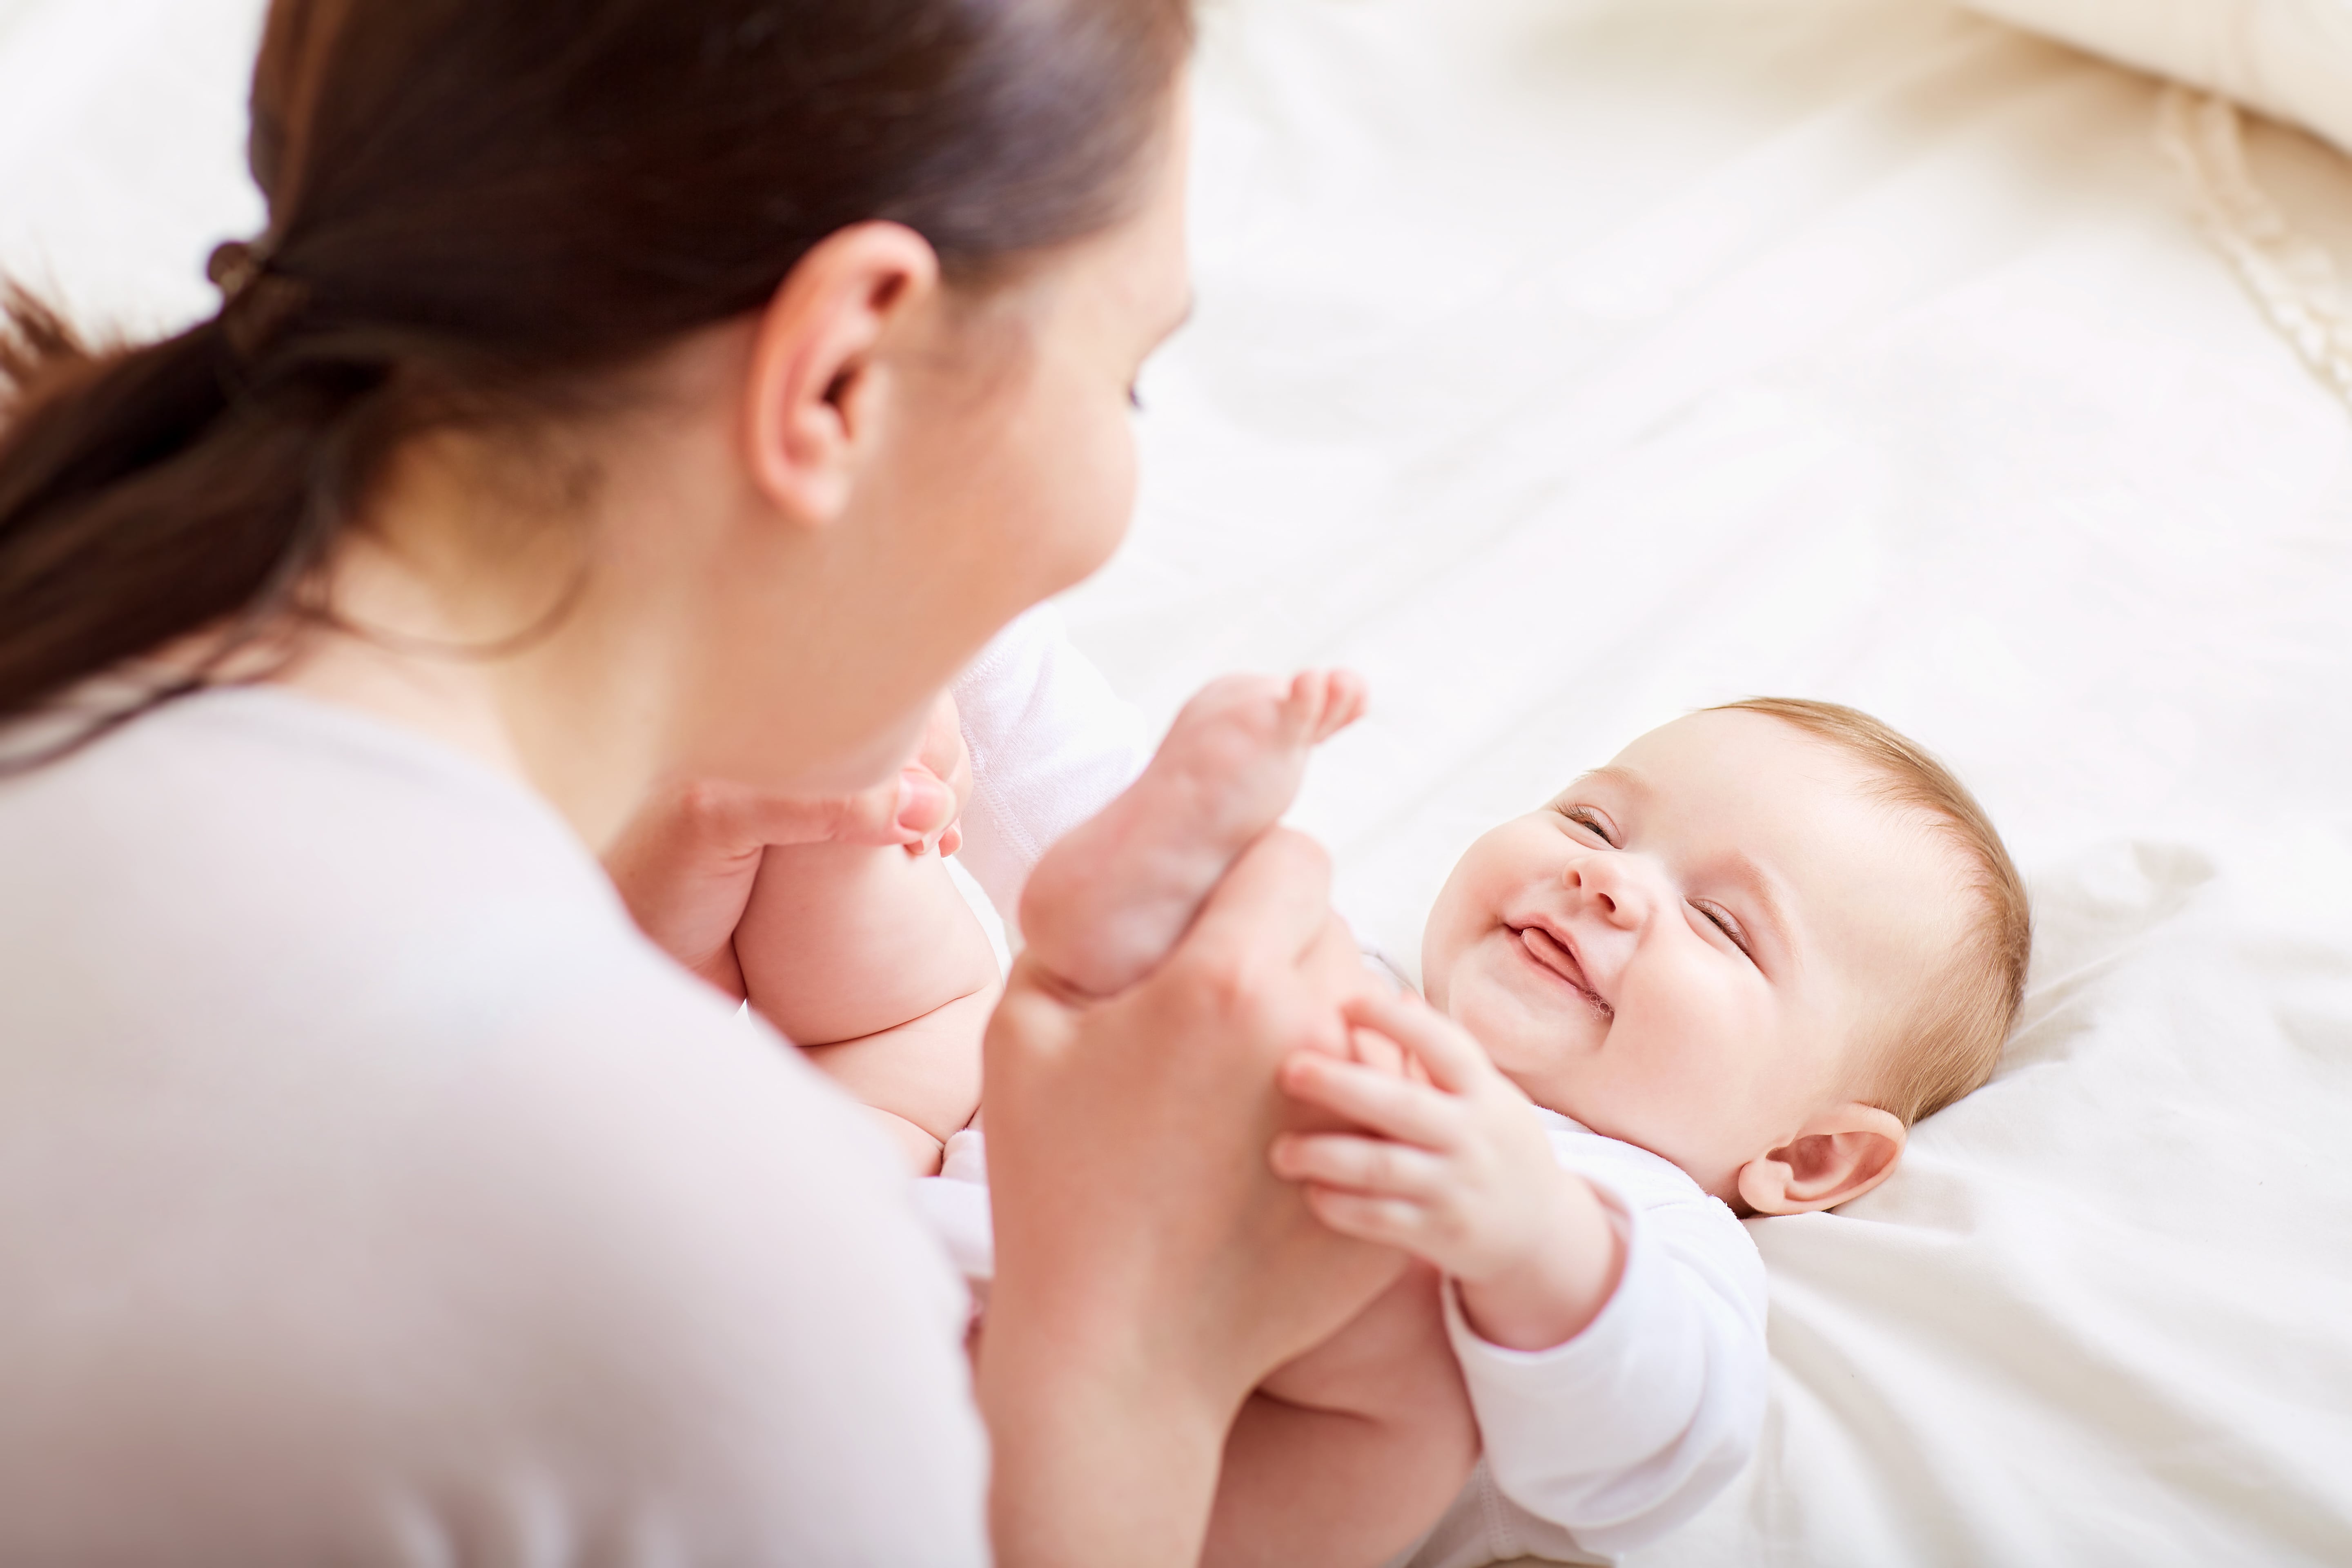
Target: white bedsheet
{"points": [[1566, 363]]}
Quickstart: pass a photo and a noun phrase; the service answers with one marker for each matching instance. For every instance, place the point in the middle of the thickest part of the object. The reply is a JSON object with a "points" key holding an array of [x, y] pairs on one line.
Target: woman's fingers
{"points": [[1371, 1165], [1393, 1107], [684, 863], [944, 750], [1274, 900], [704, 824], [1453, 1061], [910, 808]]}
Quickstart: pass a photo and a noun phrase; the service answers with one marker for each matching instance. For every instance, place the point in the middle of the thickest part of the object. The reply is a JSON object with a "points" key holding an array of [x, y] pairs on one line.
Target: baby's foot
{"points": [[1109, 901]]}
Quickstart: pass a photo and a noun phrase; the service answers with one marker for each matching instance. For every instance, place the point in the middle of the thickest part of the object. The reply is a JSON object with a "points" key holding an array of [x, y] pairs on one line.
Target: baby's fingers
{"points": [[1394, 1106], [1390, 1222], [1454, 1060], [1369, 1166]]}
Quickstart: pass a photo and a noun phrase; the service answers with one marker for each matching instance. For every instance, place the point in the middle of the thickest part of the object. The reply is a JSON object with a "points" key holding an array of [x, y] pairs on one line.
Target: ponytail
{"points": [[147, 497]]}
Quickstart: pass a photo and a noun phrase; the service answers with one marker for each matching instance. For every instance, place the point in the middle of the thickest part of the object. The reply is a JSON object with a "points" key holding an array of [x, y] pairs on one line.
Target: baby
{"points": [[1719, 977]]}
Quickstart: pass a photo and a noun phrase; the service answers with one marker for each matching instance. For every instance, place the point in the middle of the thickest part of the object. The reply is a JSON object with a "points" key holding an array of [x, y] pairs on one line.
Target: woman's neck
{"points": [[465, 613]]}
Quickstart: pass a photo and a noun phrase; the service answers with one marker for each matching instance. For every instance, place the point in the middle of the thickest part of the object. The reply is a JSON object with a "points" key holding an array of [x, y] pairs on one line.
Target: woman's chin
{"points": [[856, 763]]}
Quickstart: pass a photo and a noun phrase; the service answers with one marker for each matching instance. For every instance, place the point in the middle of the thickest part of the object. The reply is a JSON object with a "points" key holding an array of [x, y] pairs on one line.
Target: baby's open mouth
{"points": [[1553, 954]]}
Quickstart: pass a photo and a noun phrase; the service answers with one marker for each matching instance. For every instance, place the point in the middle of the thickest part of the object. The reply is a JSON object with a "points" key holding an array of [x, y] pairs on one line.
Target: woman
{"points": [[623, 395]]}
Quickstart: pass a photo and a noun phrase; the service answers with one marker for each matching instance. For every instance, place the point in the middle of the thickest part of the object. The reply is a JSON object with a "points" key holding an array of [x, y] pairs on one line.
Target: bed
{"points": [[1565, 365]]}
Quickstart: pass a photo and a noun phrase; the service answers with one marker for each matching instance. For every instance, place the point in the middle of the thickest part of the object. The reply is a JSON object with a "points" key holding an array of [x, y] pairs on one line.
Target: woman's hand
{"points": [[686, 862], [1150, 1267], [946, 758], [1455, 1170]]}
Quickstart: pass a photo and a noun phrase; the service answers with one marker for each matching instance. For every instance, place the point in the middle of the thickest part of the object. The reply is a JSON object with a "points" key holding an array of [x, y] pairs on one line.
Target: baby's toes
{"points": [[1349, 697], [1234, 723], [1326, 702]]}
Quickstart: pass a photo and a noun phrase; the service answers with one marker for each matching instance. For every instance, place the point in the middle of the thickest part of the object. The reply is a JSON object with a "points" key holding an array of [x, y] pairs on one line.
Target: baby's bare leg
{"points": [[1109, 900], [1348, 1454], [871, 962]]}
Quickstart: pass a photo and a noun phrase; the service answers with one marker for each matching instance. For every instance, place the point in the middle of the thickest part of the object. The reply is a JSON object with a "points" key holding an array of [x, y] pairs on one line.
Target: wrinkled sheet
{"points": [[1564, 364]]}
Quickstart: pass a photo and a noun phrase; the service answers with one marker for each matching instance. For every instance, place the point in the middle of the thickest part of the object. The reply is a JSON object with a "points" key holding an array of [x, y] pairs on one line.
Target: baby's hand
{"points": [[1454, 1171]]}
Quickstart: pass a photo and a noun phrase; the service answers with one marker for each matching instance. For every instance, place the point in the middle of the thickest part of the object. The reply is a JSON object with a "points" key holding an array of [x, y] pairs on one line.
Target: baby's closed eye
{"points": [[1591, 821], [1723, 920]]}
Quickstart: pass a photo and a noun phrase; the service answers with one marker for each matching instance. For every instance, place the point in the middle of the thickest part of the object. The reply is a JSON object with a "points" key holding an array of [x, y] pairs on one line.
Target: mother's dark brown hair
{"points": [[478, 209]]}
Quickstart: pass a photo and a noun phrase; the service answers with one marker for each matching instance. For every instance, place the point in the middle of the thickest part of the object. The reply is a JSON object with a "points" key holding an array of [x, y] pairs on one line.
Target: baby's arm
{"points": [[872, 963], [1646, 1319]]}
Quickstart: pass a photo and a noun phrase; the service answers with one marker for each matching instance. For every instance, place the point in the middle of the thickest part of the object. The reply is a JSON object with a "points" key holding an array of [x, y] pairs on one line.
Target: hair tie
{"points": [[257, 300]]}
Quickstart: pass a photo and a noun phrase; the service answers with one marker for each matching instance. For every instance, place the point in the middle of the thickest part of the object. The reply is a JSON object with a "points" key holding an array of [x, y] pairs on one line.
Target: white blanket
{"points": [[1566, 363]]}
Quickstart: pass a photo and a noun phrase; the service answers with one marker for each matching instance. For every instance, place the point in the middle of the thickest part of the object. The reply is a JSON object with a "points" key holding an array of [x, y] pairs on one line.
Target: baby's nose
{"points": [[1616, 885]]}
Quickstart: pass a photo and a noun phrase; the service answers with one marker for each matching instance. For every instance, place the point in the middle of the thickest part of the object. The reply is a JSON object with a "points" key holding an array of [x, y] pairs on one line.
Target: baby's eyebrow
{"points": [[1623, 778]]}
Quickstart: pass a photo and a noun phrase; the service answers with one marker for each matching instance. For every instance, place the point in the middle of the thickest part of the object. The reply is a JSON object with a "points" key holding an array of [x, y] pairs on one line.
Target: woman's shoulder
{"points": [[250, 875], [267, 803]]}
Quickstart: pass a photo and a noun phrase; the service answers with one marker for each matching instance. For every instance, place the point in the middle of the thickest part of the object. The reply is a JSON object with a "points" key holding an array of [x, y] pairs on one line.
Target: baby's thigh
{"points": [[1391, 1362], [1348, 1454]]}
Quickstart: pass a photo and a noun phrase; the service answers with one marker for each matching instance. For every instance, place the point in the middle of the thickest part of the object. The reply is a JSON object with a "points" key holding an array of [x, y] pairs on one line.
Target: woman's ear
{"points": [[816, 389], [1837, 1156]]}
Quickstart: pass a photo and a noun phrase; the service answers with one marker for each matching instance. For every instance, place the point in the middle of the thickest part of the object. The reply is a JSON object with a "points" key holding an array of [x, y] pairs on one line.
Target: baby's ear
{"points": [[1836, 1157]]}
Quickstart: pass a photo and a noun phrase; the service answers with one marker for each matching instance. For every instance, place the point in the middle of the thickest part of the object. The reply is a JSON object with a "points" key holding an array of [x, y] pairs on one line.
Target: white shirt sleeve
{"points": [[1051, 744], [1630, 1427]]}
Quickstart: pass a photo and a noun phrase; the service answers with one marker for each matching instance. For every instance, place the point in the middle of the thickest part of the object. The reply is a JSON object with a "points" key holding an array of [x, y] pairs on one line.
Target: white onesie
{"points": [[1599, 1445]]}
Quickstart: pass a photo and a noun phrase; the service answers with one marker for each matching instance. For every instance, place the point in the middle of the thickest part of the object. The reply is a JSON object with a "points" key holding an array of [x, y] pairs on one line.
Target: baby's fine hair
{"points": [[1949, 1041]]}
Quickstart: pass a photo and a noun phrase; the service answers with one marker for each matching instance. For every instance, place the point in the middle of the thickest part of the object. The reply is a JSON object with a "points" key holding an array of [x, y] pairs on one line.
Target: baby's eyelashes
{"points": [[1592, 822], [1721, 918]]}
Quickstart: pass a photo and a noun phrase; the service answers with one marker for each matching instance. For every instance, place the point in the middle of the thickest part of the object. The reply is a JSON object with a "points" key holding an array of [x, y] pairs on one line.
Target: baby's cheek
{"points": [[1437, 956], [1527, 1051], [1705, 1046]]}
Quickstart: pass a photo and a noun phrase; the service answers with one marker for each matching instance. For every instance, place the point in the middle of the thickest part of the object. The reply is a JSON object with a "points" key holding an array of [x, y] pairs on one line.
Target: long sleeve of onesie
{"points": [[1611, 1440]]}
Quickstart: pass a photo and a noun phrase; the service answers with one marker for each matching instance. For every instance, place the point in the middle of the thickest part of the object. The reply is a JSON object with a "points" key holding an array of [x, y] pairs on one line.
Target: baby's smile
{"points": [[1553, 951]]}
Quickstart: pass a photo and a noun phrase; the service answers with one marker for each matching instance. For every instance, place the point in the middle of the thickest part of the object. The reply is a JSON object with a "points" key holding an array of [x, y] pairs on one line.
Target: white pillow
{"points": [[2290, 59]]}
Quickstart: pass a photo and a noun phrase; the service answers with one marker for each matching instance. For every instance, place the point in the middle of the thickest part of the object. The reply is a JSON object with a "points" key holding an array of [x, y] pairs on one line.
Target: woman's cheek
{"points": [[1113, 508], [1085, 486]]}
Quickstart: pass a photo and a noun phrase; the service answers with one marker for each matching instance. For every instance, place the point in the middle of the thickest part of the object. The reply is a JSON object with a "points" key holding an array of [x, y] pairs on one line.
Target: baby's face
{"points": [[1688, 949]]}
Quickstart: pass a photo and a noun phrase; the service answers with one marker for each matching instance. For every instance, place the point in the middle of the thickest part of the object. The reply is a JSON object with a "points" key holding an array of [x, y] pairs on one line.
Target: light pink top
{"points": [[371, 1192]]}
